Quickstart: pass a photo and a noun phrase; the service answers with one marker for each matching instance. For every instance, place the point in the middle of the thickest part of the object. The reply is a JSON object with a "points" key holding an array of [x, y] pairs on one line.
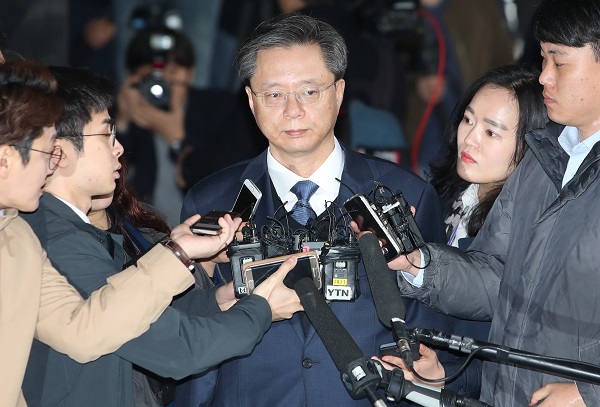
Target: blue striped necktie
{"points": [[302, 211]]}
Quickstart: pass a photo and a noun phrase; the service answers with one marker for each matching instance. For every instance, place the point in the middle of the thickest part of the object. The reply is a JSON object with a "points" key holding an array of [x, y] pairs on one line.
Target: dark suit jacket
{"points": [[179, 343], [289, 368]]}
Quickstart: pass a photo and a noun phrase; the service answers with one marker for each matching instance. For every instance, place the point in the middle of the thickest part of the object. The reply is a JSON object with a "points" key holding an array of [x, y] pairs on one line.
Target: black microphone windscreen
{"points": [[386, 296], [338, 342]]}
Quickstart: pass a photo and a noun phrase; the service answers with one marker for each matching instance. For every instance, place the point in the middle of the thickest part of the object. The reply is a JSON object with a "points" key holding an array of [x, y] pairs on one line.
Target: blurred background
{"points": [[409, 63]]}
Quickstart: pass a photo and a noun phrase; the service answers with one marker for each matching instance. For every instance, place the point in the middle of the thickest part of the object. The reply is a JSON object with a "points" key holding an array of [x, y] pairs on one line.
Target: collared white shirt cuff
{"points": [[416, 281]]}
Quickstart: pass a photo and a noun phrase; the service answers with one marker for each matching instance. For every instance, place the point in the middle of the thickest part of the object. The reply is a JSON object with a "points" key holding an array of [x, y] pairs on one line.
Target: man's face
{"points": [[25, 181], [95, 170], [294, 130], [571, 80]]}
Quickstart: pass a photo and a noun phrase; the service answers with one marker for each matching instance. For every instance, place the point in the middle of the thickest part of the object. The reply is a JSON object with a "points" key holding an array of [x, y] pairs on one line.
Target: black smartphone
{"points": [[392, 349], [361, 211], [209, 223], [247, 200], [256, 272]]}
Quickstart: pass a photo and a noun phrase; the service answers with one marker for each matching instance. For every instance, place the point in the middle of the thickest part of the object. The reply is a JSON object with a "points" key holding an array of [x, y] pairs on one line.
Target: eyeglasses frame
{"points": [[321, 89], [51, 166], [112, 132]]}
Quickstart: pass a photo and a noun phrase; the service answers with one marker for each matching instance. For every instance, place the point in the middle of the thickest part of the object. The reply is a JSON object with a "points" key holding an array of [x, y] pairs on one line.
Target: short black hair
{"points": [[83, 93], [573, 23]]}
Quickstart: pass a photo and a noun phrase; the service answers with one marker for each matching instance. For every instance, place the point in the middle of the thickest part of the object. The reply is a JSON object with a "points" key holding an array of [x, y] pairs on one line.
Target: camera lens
{"points": [[157, 91]]}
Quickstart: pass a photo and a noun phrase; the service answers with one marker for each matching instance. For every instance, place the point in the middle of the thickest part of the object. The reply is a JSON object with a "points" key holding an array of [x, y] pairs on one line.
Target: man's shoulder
{"points": [[386, 172], [222, 178], [50, 222]]}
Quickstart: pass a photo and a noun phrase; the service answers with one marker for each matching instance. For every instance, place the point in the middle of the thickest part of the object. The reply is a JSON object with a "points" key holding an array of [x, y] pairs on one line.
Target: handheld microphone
{"points": [[396, 388], [388, 303], [359, 374]]}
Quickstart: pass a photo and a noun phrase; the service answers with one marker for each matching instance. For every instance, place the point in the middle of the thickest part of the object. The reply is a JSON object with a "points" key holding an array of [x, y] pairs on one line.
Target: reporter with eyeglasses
{"points": [[292, 68], [35, 300]]}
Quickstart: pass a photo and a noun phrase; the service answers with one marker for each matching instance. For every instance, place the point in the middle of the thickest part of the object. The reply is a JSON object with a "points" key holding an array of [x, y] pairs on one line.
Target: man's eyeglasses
{"points": [[55, 155], [112, 133], [306, 96]]}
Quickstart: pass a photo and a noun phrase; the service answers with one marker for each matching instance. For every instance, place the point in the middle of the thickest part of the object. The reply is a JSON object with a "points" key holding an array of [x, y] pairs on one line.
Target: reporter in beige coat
{"points": [[35, 300]]}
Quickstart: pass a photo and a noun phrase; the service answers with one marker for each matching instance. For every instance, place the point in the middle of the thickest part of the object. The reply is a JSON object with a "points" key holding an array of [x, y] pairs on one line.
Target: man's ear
{"points": [[6, 157], [250, 99], [67, 150], [339, 92]]}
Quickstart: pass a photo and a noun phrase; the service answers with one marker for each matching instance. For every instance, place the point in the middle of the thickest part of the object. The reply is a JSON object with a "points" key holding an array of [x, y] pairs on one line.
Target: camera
{"points": [[394, 20], [154, 87], [390, 218], [155, 27], [398, 215]]}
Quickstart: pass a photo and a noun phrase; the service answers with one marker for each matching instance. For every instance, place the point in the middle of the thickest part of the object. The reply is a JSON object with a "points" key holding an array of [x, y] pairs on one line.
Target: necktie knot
{"points": [[302, 210]]}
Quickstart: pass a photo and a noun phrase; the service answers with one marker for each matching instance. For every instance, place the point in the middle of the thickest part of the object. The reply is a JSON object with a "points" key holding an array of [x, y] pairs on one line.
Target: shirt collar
{"points": [[77, 211], [470, 198], [325, 176], [569, 140]]}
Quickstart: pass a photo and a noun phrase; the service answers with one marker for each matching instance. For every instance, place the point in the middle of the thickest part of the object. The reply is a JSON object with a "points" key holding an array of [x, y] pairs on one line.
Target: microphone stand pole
{"points": [[563, 367]]}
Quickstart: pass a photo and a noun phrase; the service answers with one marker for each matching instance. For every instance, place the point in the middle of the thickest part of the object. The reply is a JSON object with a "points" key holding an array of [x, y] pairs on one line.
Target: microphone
{"points": [[388, 303], [359, 374], [396, 388]]}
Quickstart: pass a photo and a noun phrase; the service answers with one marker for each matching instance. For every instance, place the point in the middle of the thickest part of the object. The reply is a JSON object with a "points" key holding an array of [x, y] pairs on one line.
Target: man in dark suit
{"points": [[293, 68]]}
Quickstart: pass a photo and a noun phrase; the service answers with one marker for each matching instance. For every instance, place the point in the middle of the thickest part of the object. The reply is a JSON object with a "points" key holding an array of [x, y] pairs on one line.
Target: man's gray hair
{"points": [[287, 30]]}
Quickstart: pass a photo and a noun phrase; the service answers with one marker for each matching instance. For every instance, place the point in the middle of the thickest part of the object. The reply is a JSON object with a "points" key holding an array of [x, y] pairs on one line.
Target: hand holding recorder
{"points": [[245, 207], [284, 301], [199, 247]]}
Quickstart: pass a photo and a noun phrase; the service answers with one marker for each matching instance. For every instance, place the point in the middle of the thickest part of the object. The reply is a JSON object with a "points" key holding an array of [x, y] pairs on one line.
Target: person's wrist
{"points": [[179, 252]]}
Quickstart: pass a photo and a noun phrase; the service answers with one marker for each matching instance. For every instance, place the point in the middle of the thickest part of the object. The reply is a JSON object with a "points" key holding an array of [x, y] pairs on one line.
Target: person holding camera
{"points": [[533, 267], [184, 340], [165, 123], [293, 68]]}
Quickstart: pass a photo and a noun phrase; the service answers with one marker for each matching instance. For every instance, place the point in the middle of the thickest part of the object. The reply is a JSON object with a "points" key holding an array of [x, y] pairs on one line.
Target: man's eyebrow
{"points": [[554, 51], [557, 52]]}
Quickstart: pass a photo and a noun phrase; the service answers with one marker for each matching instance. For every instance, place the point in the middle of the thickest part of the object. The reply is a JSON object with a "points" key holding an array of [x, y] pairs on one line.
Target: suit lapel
{"points": [[357, 178]]}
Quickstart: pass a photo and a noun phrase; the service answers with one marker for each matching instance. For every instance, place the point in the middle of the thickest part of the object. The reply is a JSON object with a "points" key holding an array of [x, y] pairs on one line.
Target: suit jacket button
{"points": [[307, 363]]}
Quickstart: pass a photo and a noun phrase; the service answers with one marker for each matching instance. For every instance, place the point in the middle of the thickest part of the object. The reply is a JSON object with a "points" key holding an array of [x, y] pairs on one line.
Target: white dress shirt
{"points": [[325, 177]]}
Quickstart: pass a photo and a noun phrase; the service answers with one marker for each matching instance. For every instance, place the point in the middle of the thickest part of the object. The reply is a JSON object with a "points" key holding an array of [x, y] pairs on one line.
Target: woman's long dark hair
{"points": [[523, 85], [126, 206]]}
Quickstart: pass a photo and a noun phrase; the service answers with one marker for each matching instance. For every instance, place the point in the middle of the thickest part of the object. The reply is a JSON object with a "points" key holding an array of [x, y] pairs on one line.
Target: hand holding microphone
{"points": [[388, 303]]}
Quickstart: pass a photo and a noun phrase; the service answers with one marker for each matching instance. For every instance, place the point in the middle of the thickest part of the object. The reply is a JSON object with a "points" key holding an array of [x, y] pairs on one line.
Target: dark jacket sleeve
{"points": [[177, 344]]}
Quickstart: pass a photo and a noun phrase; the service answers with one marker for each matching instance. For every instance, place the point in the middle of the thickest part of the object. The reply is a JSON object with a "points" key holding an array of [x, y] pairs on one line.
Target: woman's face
{"points": [[486, 138]]}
